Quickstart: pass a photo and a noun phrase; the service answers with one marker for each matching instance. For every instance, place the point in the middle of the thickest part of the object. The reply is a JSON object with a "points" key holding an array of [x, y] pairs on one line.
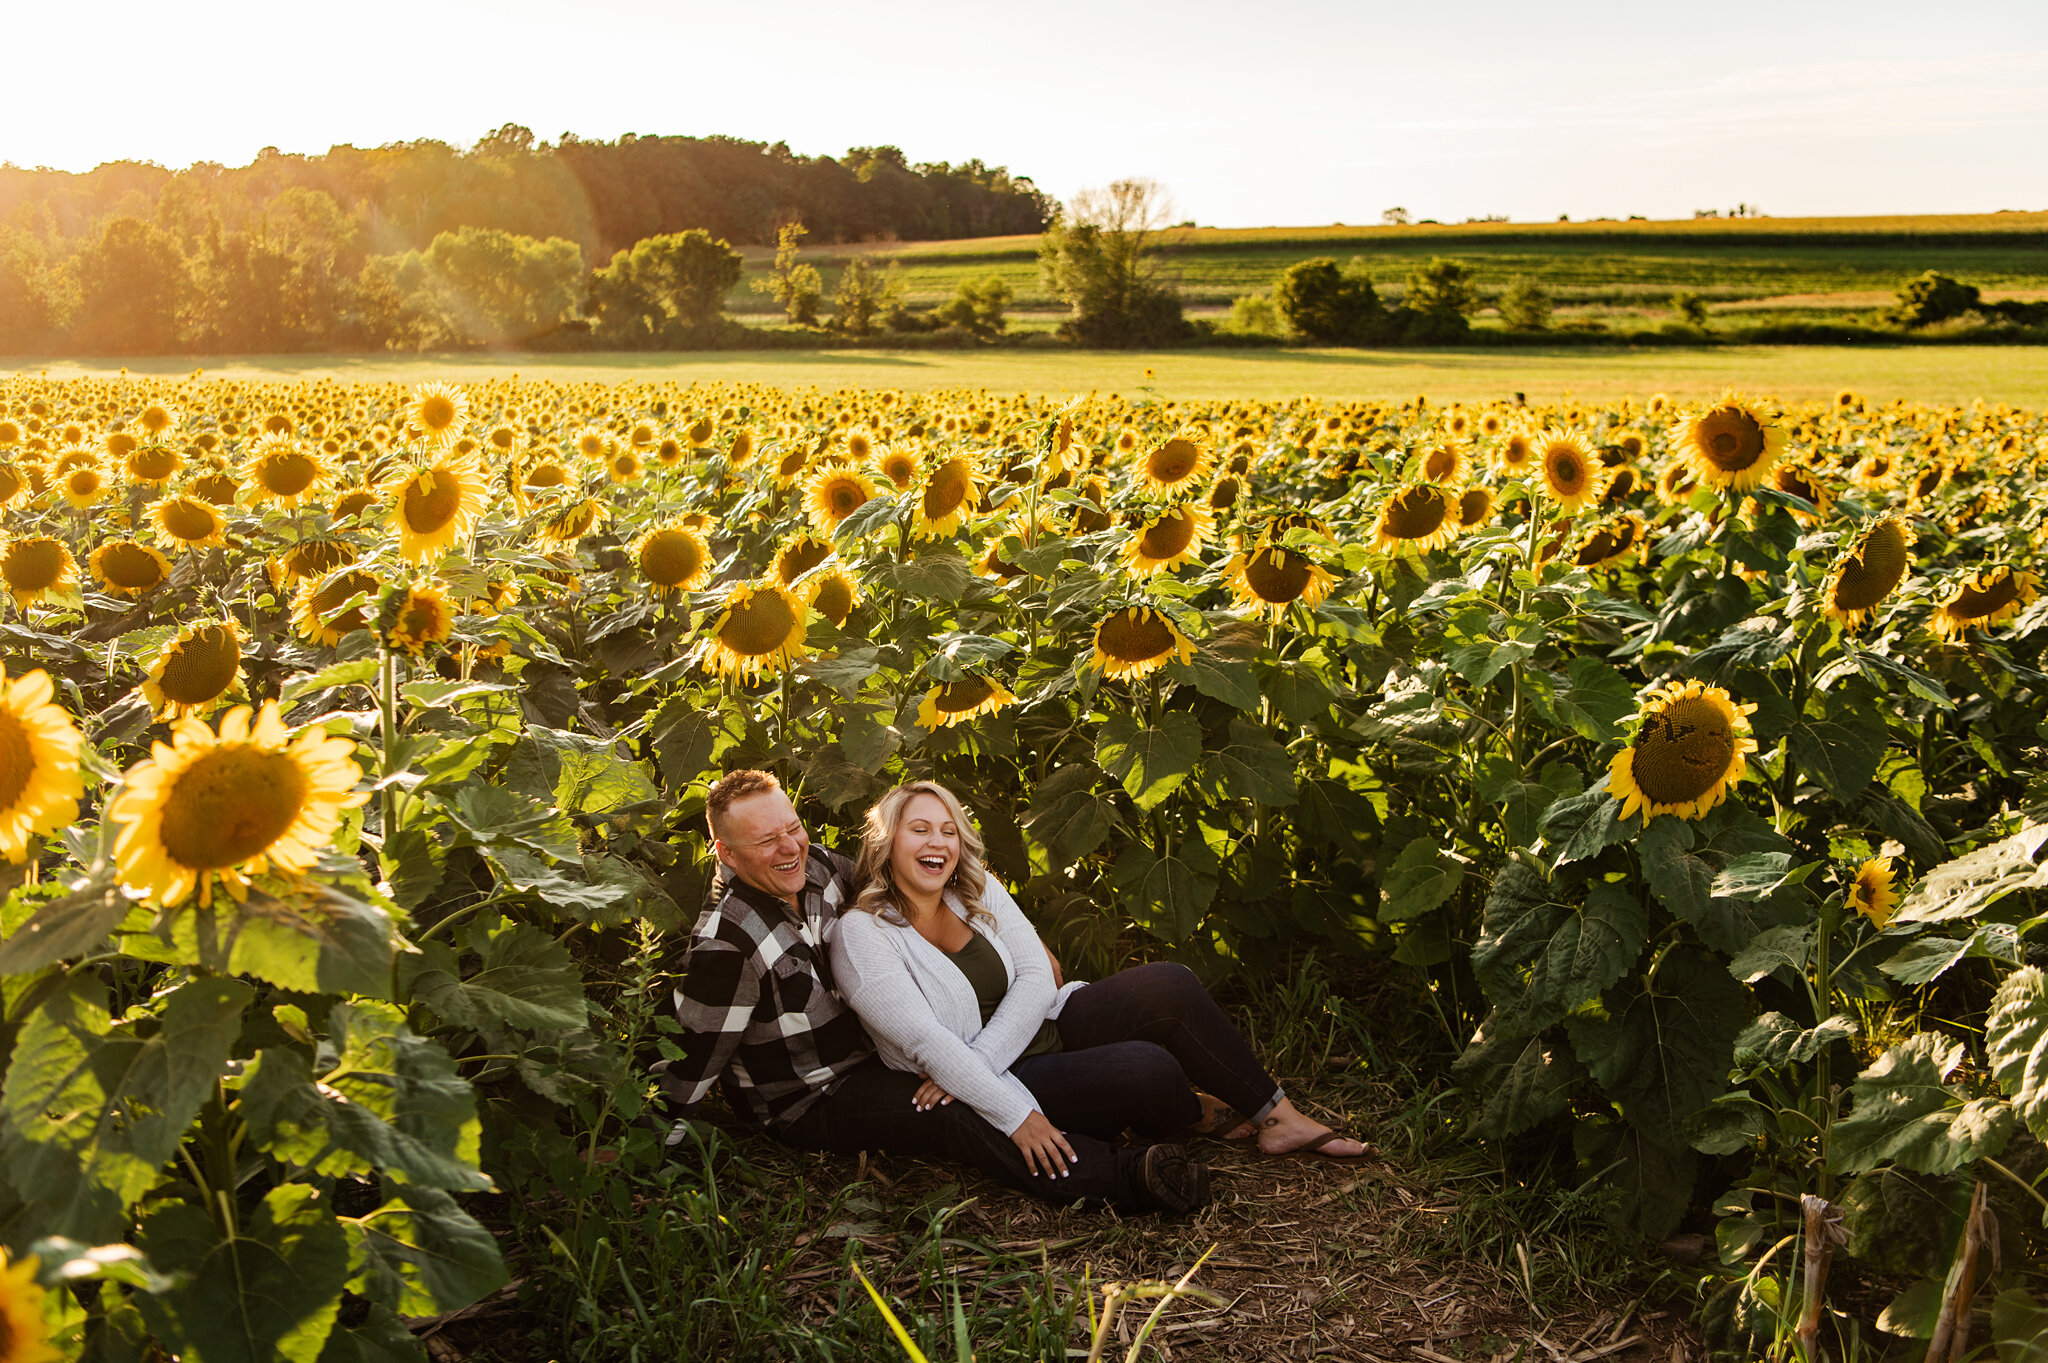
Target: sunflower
{"points": [[280, 470], [1619, 486], [1868, 570], [1689, 750], [233, 805], [220, 488], [625, 466], [833, 593], [760, 630], [153, 465], [700, 432], [674, 558], [1223, 493], [742, 451], [1475, 507], [1871, 893], [436, 413], [352, 503], [669, 451], [950, 493], [1984, 599], [591, 445], [128, 569], [1136, 640], [32, 568], [188, 523], [14, 485], [1089, 516], [23, 1338], [1419, 517], [1515, 457], [900, 466], [40, 779], [85, 486], [1730, 445], [158, 419], [1166, 539], [435, 506], [414, 617], [1271, 579], [957, 702], [194, 672], [1876, 471], [314, 558], [798, 555], [1175, 466], [546, 475], [318, 616], [1445, 462], [573, 522], [1929, 481], [1610, 543], [1573, 475], [835, 492], [1795, 479], [1676, 483], [790, 468]]}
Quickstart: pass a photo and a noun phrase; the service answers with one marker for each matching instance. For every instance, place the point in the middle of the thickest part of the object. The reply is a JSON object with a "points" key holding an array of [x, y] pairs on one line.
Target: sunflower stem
{"points": [[387, 728]]}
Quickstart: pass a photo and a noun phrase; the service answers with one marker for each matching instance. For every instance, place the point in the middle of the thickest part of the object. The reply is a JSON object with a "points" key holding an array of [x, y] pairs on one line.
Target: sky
{"points": [[1252, 113]]}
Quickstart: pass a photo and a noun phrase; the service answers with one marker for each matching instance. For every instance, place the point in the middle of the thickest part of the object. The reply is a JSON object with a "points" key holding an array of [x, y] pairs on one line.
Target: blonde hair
{"points": [[877, 893]]}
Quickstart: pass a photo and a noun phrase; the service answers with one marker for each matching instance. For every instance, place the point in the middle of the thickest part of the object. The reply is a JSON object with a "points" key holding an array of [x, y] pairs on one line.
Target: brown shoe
{"points": [[1174, 1182]]}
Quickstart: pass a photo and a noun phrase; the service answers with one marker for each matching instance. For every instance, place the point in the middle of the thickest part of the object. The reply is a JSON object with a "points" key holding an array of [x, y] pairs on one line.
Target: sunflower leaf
{"points": [[1904, 1112], [1066, 817], [1150, 763], [271, 1291], [1579, 826], [2014, 1033], [1840, 753], [1422, 877], [1229, 680], [1253, 766], [1520, 1081], [422, 1254], [1971, 883], [1167, 895], [69, 926]]}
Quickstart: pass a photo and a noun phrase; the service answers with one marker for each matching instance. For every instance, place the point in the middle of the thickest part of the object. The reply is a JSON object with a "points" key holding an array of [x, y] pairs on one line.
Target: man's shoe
{"points": [[1172, 1181]]}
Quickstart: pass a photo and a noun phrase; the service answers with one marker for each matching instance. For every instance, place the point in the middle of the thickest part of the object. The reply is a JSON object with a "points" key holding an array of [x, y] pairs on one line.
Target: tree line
{"points": [[425, 244]]}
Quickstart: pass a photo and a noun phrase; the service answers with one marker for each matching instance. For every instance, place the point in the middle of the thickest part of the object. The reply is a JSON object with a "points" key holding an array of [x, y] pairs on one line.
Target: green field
{"points": [[1943, 374], [1761, 269]]}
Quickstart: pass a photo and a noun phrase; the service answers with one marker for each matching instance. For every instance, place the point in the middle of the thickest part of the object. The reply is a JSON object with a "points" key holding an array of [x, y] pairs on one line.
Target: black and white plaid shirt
{"points": [[756, 999]]}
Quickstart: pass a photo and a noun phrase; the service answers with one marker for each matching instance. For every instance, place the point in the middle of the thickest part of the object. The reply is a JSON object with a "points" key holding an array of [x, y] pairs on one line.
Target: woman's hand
{"points": [[1045, 1148], [929, 1095]]}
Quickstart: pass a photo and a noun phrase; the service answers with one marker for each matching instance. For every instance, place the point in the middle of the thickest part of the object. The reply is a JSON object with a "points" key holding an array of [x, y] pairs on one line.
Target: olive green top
{"points": [[983, 966]]}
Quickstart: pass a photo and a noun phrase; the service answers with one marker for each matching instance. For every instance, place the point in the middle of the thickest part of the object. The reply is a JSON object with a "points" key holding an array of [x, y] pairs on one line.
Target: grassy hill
{"points": [[1804, 269]]}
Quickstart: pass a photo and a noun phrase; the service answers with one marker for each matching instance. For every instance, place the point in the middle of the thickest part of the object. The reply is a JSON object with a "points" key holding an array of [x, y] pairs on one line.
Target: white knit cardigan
{"points": [[922, 1012]]}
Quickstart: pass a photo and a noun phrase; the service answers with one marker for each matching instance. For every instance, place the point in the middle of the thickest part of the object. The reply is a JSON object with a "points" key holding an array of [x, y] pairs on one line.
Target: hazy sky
{"points": [[1254, 112]]}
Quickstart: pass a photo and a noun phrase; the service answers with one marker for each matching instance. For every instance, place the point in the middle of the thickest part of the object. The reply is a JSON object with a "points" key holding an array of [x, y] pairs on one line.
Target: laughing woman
{"points": [[953, 983]]}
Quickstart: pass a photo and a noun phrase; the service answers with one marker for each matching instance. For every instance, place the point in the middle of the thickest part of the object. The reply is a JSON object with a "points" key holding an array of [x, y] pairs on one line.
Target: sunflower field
{"points": [[354, 740]]}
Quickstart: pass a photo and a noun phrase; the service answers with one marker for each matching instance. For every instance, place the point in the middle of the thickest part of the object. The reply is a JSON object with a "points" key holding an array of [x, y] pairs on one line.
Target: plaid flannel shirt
{"points": [[756, 999]]}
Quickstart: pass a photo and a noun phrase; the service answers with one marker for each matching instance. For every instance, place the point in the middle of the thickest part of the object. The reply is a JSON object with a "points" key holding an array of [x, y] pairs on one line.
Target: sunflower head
{"points": [[1175, 466], [741, 452], [1731, 445], [188, 523], [573, 522], [1515, 455], [1871, 893], [281, 470], [1416, 519], [834, 493], [1795, 479], [437, 413], [315, 558], [900, 466], [674, 558], [194, 672], [1136, 640], [435, 507], [35, 566], [1690, 747], [1984, 599], [952, 491], [957, 702], [414, 617], [1163, 540], [85, 486], [1608, 544], [154, 465], [1475, 506], [321, 613], [1445, 462], [126, 568], [761, 629], [798, 555], [1868, 571], [40, 777], [230, 805], [1572, 473], [1269, 579]]}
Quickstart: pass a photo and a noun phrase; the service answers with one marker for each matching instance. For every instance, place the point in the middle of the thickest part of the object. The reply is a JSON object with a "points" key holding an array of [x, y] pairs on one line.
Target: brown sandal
{"points": [[1315, 1147]]}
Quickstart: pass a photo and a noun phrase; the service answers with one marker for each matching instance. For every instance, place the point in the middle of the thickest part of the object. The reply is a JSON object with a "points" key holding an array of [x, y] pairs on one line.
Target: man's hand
{"points": [[929, 1095], [1045, 1148]]}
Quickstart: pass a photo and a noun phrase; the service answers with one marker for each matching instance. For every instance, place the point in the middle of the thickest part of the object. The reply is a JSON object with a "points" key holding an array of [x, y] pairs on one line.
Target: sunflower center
{"points": [[217, 488], [845, 497], [549, 474], [947, 489], [955, 697], [670, 558], [84, 482], [10, 484], [834, 600], [317, 558], [799, 558], [131, 567], [188, 520], [1134, 636], [1415, 514], [1173, 461], [420, 620], [1277, 576], [1600, 546], [1567, 469], [437, 412], [757, 626], [33, 565], [333, 595], [17, 759], [232, 804], [899, 470], [200, 668], [1474, 506], [1683, 752], [155, 465], [1167, 536], [287, 475], [1440, 464], [1975, 601], [1515, 452], [1731, 439], [432, 501], [1869, 574]]}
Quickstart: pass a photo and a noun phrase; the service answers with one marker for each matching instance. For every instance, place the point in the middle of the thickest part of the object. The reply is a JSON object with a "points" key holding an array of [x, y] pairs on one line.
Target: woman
{"points": [[953, 983]]}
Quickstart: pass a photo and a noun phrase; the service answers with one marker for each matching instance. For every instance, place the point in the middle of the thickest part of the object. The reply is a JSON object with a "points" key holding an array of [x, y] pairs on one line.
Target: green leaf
{"points": [[269, 1293], [1524, 804], [1662, 1049], [867, 739], [1579, 826], [1681, 873], [2016, 1044], [1150, 763], [581, 775], [1925, 959], [70, 926], [1596, 701], [1167, 895], [1966, 886], [1480, 660], [2019, 1327], [1066, 817], [1759, 875], [843, 671], [442, 693], [1252, 767], [1841, 754], [1914, 1313], [1332, 814], [1518, 920], [1421, 877], [1229, 680], [867, 518], [360, 672], [1298, 691], [317, 938], [422, 1254], [524, 978], [1520, 1082], [1590, 951], [380, 1337], [1904, 1112], [413, 863], [682, 734], [1786, 947], [378, 1098], [90, 1110]]}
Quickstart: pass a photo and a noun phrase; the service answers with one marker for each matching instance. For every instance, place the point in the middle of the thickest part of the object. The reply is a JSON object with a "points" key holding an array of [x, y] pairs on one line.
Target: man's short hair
{"points": [[734, 785]]}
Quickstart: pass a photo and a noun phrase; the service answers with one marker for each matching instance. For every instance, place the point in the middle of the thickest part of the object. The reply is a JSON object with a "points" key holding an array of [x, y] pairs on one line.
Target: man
{"points": [[759, 1012]]}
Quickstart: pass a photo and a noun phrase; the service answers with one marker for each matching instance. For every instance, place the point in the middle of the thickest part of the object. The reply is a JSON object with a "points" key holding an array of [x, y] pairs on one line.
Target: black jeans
{"points": [[871, 1110], [1135, 1044]]}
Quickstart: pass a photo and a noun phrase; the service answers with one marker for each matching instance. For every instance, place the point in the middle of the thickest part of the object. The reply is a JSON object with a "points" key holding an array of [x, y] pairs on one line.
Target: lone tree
{"points": [[1099, 257], [865, 290], [1525, 306], [795, 284], [1441, 297], [1329, 306], [664, 288]]}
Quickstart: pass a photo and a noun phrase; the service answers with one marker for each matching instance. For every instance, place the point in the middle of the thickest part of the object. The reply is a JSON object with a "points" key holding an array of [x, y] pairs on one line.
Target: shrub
{"points": [[1256, 314], [1321, 303], [1933, 297], [978, 306], [1525, 306], [864, 290], [1690, 307], [478, 286], [664, 285], [793, 283], [1099, 258]]}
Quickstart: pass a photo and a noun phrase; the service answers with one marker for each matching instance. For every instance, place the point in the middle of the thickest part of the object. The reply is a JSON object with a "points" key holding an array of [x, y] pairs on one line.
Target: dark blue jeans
{"points": [[1134, 1048]]}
